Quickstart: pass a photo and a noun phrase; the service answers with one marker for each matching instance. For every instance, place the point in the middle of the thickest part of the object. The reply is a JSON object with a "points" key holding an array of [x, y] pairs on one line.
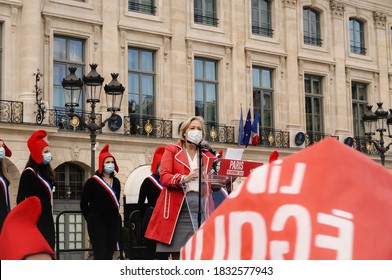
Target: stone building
{"points": [[307, 67]]}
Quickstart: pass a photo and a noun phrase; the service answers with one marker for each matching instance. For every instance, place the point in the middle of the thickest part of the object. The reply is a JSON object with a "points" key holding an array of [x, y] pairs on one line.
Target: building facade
{"points": [[306, 68]]}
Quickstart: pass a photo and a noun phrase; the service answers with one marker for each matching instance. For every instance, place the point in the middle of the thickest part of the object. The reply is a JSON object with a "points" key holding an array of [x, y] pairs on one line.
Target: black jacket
{"points": [[3, 201], [31, 185], [97, 201]]}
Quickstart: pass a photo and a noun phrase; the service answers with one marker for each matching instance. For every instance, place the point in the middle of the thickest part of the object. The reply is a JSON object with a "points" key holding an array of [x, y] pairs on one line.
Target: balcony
{"points": [[262, 31], [358, 50], [274, 138], [11, 111], [363, 145], [147, 126], [209, 18], [219, 133], [312, 138], [141, 8], [315, 41], [58, 117]]}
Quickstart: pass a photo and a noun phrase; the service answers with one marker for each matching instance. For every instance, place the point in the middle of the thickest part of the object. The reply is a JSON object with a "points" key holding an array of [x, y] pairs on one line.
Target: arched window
{"points": [[69, 181]]}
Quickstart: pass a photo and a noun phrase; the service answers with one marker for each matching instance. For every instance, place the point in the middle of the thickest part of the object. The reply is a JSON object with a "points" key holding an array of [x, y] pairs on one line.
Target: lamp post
{"points": [[92, 82], [379, 121]]}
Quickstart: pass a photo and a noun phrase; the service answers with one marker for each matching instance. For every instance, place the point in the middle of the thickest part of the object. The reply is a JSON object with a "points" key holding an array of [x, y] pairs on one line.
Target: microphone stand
{"points": [[199, 150], [200, 184]]}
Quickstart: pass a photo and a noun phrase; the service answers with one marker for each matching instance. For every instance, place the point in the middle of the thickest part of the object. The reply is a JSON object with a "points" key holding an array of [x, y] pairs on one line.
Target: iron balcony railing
{"points": [[363, 145], [274, 138], [11, 111], [150, 126], [312, 138], [216, 132], [136, 125], [358, 50], [209, 18], [58, 117], [313, 41], [141, 8], [263, 31]]}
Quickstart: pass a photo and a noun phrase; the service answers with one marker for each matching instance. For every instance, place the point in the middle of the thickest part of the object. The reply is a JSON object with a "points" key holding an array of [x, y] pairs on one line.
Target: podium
{"points": [[220, 172], [221, 168], [216, 181]]}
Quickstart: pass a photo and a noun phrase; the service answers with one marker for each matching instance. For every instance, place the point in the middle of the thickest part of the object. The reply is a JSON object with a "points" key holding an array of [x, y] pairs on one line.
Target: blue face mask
{"points": [[2, 153], [47, 158], [108, 168]]}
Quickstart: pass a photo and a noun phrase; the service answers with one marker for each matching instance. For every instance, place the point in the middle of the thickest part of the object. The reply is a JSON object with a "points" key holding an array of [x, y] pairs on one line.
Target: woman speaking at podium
{"points": [[175, 216]]}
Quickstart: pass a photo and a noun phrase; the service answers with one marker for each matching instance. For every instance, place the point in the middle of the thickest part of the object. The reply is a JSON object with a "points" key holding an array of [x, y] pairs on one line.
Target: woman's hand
{"points": [[193, 175]]}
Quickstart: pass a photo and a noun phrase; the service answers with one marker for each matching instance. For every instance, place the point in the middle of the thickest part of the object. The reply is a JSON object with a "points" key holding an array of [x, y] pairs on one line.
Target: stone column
{"points": [[381, 41], [342, 87], [112, 48], [29, 56], [181, 64], [292, 92]]}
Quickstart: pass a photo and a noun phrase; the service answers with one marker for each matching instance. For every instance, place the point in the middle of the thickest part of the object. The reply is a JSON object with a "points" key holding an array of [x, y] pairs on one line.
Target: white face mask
{"points": [[2, 153], [195, 136]]}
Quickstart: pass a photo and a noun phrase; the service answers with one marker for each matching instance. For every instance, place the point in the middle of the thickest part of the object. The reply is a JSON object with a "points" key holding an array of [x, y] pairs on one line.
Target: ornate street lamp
{"points": [[380, 122], [93, 87]]}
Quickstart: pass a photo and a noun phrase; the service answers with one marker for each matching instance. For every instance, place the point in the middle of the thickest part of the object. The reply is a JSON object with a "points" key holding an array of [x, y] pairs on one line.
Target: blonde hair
{"points": [[185, 125]]}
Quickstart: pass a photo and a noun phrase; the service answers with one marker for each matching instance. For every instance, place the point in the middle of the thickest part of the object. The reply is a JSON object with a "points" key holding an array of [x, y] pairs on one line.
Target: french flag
{"points": [[255, 129]]}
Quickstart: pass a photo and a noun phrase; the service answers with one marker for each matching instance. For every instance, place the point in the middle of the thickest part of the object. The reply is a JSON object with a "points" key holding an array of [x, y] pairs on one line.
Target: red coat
{"points": [[174, 166]]}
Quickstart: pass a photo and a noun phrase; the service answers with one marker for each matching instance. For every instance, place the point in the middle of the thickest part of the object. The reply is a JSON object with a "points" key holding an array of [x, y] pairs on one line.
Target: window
{"points": [[69, 185], [205, 12], [261, 18], [263, 97], [206, 87], [141, 82], [142, 6], [314, 105], [312, 27], [359, 102], [69, 182], [357, 37], [67, 52]]}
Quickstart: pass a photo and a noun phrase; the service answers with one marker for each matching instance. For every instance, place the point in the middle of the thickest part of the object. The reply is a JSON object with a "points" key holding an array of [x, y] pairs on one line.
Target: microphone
{"points": [[193, 143], [204, 144]]}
